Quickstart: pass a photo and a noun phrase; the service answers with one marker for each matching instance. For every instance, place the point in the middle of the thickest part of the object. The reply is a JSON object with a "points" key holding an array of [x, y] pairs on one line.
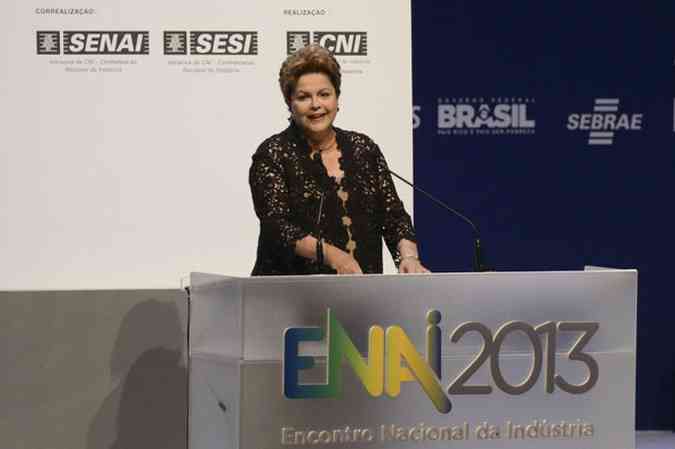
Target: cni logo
{"points": [[340, 43], [48, 42], [106, 42], [604, 122], [480, 116], [295, 40]]}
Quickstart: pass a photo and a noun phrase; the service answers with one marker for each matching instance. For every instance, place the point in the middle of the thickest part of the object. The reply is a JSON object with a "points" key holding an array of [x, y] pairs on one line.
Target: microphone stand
{"points": [[319, 242], [478, 263]]}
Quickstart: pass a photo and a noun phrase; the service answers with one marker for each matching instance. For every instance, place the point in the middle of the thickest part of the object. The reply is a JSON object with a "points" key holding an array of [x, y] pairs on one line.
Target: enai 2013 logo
{"points": [[340, 43], [93, 42], [486, 116], [604, 122], [393, 359], [211, 43]]}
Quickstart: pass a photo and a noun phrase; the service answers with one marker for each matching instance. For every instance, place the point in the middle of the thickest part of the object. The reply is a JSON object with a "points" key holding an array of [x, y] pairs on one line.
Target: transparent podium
{"points": [[468, 360]]}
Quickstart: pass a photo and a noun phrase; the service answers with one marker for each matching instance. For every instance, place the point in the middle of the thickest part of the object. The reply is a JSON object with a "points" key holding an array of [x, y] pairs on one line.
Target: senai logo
{"points": [[604, 122], [384, 372], [48, 42], [93, 42]]}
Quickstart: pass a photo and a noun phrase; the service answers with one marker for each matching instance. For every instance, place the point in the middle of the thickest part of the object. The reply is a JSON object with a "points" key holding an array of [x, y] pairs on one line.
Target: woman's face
{"points": [[314, 104]]}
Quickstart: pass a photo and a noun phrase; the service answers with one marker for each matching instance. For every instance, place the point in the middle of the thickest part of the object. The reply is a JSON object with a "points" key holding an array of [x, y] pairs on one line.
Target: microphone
{"points": [[478, 264], [324, 186], [319, 242]]}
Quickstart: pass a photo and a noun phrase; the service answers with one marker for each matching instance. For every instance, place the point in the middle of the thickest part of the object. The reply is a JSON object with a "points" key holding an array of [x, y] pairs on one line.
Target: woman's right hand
{"points": [[341, 261]]}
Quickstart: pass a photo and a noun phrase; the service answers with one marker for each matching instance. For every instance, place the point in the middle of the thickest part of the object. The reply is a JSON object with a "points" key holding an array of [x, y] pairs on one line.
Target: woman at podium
{"points": [[324, 196]]}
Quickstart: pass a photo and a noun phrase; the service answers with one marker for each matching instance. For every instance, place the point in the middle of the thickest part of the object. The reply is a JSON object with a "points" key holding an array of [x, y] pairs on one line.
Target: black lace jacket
{"points": [[287, 184]]}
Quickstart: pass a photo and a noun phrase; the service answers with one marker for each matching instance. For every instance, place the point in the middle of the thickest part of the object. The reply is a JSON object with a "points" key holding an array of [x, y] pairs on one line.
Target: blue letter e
{"points": [[294, 363]]}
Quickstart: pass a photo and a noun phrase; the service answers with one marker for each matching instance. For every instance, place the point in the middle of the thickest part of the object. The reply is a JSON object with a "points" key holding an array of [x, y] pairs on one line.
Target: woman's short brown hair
{"points": [[309, 59]]}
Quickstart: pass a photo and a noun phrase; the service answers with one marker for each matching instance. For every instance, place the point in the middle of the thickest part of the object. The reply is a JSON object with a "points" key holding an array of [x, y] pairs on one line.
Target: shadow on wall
{"points": [[148, 406]]}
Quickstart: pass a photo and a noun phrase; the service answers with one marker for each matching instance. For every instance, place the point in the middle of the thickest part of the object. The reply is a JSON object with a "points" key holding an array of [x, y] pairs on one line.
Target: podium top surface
{"points": [[200, 279], [246, 318]]}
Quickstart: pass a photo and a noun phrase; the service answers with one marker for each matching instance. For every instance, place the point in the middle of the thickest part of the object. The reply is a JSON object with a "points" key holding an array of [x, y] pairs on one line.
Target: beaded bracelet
{"points": [[319, 252]]}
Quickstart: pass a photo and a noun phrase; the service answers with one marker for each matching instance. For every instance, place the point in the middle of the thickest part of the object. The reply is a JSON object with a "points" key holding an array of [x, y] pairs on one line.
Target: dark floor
{"points": [[655, 440]]}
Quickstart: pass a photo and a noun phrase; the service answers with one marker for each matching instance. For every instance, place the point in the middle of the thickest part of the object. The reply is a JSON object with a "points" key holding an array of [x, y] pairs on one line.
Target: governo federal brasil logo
{"points": [[393, 360], [486, 116]]}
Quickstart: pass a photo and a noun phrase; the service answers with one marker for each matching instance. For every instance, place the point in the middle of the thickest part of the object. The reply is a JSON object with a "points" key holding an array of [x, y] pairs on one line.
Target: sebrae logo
{"points": [[340, 43], [604, 122], [93, 43], [384, 371]]}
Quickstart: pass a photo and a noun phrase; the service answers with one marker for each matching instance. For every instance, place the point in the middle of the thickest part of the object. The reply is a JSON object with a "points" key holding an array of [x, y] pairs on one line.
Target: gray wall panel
{"points": [[93, 369]]}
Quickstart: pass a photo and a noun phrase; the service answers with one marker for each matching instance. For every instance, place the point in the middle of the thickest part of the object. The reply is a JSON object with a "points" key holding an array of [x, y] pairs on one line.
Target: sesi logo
{"points": [[224, 42], [175, 43], [211, 43]]}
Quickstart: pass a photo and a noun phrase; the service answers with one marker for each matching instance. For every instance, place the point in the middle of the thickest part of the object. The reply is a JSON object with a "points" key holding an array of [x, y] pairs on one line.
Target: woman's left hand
{"points": [[412, 265]]}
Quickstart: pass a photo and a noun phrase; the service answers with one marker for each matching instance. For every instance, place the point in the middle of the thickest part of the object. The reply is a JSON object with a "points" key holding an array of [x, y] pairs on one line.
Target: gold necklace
{"points": [[331, 145]]}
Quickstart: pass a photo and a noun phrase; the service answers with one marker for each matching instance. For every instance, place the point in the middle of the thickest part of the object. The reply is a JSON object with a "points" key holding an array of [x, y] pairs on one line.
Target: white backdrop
{"points": [[129, 171]]}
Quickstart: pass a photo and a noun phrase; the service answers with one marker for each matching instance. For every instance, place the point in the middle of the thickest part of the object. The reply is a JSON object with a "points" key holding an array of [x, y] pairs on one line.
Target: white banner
{"points": [[129, 128]]}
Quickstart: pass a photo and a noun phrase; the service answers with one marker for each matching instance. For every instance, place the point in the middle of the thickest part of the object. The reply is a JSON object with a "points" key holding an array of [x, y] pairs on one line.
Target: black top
{"points": [[287, 184]]}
